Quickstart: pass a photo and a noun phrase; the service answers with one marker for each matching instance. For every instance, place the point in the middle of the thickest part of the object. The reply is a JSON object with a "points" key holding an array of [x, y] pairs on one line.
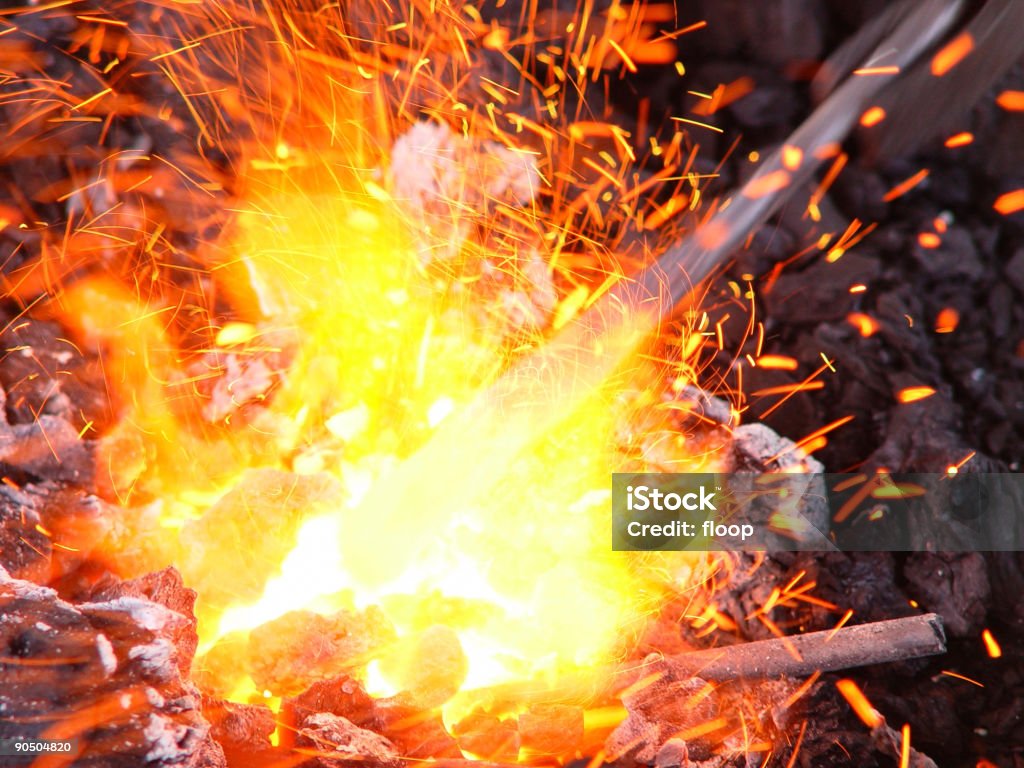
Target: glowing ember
{"points": [[913, 394], [859, 702], [1010, 202], [992, 647]]}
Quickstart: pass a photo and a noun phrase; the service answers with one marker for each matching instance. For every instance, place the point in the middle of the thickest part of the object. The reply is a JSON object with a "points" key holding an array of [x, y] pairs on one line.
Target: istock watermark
{"points": [[956, 512], [643, 497]]}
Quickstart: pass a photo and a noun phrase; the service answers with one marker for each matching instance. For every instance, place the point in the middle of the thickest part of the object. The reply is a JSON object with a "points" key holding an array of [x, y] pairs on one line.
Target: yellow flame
{"points": [[365, 322]]}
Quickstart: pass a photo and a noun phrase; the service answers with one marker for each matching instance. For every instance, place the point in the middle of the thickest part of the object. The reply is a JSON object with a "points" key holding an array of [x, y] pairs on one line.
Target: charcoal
{"points": [[48, 447], [705, 407], [338, 743], [821, 293], [242, 730], [673, 754], [775, 32], [430, 666], [287, 654], [232, 381], [955, 257], [167, 589], [417, 733], [339, 695], [111, 678], [54, 530], [551, 729], [488, 737], [1014, 270], [44, 373], [955, 586], [25, 550], [659, 711]]}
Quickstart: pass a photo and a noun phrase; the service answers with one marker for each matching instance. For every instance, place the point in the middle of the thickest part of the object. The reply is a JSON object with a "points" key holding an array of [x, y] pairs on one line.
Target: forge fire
{"points": [[390, 382]]}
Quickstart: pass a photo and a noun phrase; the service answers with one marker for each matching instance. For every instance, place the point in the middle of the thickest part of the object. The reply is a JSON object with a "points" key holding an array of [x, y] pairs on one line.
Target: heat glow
{"points": [[397, 229]]}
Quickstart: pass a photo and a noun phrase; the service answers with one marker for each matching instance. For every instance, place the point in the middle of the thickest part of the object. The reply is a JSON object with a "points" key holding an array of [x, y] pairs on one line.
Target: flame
{"points": [[305, 402], [326, 402]]}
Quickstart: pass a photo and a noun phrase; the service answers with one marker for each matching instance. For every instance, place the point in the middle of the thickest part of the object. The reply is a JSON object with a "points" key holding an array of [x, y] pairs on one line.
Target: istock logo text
{"points": [[643, 497]]}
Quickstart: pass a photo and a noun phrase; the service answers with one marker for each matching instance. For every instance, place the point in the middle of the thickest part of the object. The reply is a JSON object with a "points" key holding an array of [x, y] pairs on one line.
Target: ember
{"points": [[327, 325]]}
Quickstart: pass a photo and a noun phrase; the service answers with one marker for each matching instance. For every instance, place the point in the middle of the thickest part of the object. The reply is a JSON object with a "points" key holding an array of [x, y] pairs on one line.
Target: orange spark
{"points": [[905, 186], [792, 157], [905, 746], [960, 139], [866, 324], [724, 95], [869, 71], [958, 676], [827, 180], [955, 468], [777, 362], [859, 702], [913, 394], [628, 62], [947, 320], [1011, 101], [891, 490], [952, 54], [991, 644], [929, 240], [788, 389], [699, 124], [1011, 202], [814, 439], [667, 211], [873, 116]]}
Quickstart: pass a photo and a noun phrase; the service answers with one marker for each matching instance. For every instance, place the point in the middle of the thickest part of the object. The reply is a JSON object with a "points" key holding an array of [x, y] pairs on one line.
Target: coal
{"points": [[108, 673], [417, 733], [338, 743], [954, 585], [976, 369], [658, 712], [242, 730], [488, 736], [287, 654], [551, 729]]}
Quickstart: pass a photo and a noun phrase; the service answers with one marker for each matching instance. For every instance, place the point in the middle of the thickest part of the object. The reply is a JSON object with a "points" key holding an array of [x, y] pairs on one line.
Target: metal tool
{"points": [[546, 385]]}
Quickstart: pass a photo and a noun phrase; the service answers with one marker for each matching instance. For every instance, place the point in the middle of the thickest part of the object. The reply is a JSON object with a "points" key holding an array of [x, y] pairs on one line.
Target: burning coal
{"points": [[377, 313]]}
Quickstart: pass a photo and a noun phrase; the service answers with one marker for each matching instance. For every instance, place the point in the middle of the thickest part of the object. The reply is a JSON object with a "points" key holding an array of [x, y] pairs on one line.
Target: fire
{"points": [[342, 415]]}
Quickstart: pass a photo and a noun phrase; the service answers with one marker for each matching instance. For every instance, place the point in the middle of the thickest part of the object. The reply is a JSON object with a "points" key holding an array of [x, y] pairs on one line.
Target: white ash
{"points": [[27, 590], [449, 186], [156, 657], [151, 616], [714, 409], [758, 446], [341, 741], [430, 164], [107, 656], [168, 739]]}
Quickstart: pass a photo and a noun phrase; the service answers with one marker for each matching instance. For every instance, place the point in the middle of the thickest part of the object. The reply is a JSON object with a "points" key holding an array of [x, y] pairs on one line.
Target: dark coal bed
{"points": [[977, 370]]}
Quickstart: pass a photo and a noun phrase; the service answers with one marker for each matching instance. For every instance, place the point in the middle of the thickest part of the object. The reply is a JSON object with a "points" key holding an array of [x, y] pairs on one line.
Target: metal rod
{"points": [[543, 387], [861, 645]]}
